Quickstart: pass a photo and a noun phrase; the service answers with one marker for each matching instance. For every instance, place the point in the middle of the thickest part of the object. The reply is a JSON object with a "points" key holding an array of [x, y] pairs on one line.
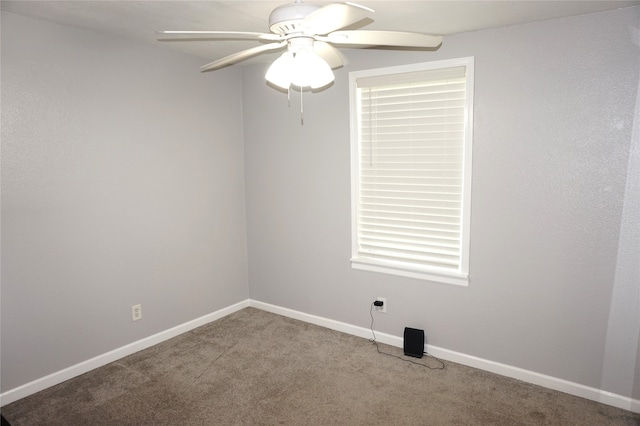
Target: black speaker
{"points": [[413, 342]]}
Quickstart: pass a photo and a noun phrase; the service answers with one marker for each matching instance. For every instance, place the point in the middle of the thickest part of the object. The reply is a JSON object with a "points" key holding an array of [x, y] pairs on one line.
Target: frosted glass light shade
{"points": [[310, 70], [279, 73]]}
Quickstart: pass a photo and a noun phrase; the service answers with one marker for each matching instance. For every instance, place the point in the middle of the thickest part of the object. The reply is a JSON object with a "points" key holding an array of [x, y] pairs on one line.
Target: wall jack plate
{"points": [[136, 312], [383, 308]]}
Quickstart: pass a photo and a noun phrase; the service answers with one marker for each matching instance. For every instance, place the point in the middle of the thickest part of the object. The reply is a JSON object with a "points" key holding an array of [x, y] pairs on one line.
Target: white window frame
{"points": [[459, 276]]}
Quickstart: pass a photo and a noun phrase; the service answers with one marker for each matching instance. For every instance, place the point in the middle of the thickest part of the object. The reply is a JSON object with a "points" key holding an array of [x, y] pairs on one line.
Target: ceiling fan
{"points": [[309, 32]]}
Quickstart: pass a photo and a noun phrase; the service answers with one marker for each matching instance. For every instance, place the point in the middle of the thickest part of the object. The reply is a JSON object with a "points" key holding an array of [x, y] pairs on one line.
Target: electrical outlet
{"points": [[382, 308], [136, 312]]}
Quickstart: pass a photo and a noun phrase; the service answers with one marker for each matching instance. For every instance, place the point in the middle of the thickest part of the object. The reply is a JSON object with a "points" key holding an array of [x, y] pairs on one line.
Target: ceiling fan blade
{"points": [[330, 54], [222, 35], [382, 38], [333, 17], [241, 56]]}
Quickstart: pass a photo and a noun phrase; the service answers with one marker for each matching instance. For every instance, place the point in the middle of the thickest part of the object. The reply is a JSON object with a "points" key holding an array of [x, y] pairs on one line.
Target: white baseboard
{"points": [[114, 355], [550, 382]]}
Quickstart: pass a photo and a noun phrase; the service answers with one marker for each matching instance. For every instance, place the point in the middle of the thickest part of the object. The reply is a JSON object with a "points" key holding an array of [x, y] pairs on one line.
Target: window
{"points": [[411, 132]]}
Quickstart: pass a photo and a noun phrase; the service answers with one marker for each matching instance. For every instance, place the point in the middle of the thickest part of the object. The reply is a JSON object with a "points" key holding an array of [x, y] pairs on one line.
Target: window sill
{"points": [[444, 277]]}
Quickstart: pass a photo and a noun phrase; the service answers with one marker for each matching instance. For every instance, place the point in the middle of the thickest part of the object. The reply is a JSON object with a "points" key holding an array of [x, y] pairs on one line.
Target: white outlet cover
{"points": [[136, 312]]}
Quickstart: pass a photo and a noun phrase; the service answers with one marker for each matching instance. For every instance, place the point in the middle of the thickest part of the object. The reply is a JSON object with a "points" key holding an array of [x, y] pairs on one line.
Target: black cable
{"points": [[373, 340]]}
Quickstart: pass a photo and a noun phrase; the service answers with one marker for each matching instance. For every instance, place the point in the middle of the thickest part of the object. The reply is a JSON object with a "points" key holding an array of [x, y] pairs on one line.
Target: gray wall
{"points": [[122, 183], [554, 114]]}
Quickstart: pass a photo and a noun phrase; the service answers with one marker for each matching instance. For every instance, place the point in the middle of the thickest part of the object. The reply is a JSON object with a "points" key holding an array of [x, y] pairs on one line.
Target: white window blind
{"points": [[411, 183]]}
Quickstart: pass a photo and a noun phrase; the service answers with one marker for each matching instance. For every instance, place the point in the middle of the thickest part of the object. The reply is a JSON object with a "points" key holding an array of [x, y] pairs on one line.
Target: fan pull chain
{"points": [[289, 96]]}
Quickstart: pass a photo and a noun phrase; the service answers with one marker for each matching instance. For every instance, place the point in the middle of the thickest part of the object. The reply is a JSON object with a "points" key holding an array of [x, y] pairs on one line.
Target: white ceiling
{"points": [[139, 20]]}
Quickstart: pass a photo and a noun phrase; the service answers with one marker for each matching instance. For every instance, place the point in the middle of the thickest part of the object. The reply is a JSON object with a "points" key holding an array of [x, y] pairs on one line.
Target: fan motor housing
{"points": [[286, 18]]}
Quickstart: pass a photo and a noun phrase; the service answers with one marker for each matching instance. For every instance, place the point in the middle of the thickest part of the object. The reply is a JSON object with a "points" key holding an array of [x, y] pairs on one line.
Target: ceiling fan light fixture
{"points": [[302, 69]]}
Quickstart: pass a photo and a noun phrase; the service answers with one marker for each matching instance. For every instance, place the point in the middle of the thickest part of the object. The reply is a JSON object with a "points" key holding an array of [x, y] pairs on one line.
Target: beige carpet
{"points": [[257, 368]]}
